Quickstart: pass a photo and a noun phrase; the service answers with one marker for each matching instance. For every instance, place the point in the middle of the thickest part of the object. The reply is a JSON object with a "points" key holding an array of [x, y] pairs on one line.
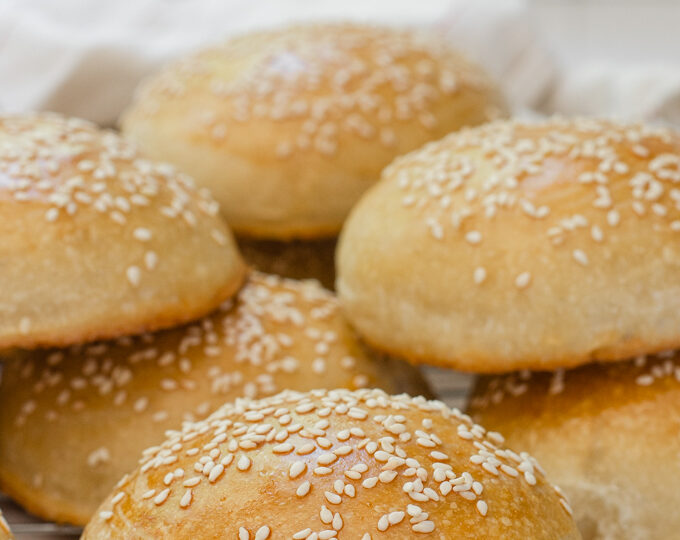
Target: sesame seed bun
{"points": [[606, 433], [5, 533], [516, 245], [72, 422], [298, 259], [334, 464], [98, 241], [288, 127]]}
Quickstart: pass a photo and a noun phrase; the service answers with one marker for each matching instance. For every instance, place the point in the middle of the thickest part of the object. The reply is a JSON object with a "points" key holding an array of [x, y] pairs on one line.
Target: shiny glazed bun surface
{"points": [[334, 464]]}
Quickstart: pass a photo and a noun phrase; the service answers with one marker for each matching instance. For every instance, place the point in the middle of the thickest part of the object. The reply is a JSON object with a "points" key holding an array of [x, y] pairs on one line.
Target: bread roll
{"points": [[5, 533], [518, 245], [334, 464], [96, 241], [289, 127], [606, 433], [72, 422]]}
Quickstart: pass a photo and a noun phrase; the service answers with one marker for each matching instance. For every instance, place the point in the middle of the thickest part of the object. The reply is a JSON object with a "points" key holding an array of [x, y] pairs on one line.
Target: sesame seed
{"points": [[473, 237], [522, 280], [161, 497], [644, 380], [262, 533], [52, 214], [185, 501], [479, 275], [134, 275], [142, 234], [596, 233], [297, 468], [580, 257], [613, 218], [424, 527], [332, 498], [24, 325], [303, 489]]}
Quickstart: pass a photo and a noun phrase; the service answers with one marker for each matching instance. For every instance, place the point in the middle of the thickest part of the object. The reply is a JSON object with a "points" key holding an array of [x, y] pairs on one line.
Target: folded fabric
{"points": [[85, 58]]}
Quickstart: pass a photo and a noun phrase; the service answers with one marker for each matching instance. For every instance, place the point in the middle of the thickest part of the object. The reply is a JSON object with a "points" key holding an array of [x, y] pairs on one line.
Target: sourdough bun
{"points": [[5, 533], [606, 433], [72, 422], [517, 245], [96, 241], [288, 127], [334, 464]]}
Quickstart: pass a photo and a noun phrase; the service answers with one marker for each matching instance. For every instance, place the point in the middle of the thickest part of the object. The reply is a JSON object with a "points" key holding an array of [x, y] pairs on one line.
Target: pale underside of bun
{"points": [[605, 433], [518, 245], [96, 241], [334, 464], [289, 127], [73, 422]]}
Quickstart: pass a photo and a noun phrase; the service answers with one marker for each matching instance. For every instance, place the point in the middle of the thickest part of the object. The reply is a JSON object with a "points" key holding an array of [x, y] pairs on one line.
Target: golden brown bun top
{"points": [[96, 238], [312, 112], [104, 403], [5, 533], [71, 167], [545, 244], [585, 392], [336, 464], [606, 433]]}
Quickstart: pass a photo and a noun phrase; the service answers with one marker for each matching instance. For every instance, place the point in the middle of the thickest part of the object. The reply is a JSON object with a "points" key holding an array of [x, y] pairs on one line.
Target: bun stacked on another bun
{"points": [[606, 433], [73, 422], [96, 241], [520, 245], [334, 464], [289, 127]]}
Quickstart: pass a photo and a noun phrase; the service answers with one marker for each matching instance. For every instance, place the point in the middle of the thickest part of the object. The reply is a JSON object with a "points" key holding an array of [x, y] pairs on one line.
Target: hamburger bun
{"points": [[334, 464], [73, 421], [606, 433], [96, 241], [520, 245], [288, 127]]}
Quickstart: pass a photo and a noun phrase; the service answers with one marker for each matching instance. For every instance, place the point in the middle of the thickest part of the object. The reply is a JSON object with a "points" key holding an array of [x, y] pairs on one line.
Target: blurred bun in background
{"points": [[289, 127]]}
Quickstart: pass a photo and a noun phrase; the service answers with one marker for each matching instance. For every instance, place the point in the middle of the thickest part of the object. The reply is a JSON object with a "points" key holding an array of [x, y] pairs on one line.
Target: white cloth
{"points": [[85, 57], [501, 36]]}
